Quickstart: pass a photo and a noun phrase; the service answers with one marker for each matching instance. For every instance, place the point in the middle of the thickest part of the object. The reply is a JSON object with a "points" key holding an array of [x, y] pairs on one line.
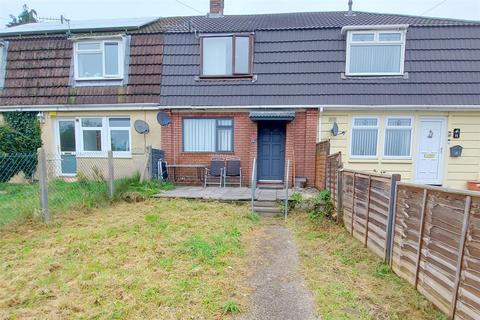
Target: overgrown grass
{"points": [[21, 201], [350, 282], [169, 259]]}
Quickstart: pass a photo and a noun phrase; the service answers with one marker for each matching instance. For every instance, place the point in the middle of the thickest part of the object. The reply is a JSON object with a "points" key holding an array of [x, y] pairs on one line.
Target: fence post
{"points": [[339, 195], [353, 204], [111, 175], [391, 218], [367, 214], [420, 236], [461, 251], [43, 184]]}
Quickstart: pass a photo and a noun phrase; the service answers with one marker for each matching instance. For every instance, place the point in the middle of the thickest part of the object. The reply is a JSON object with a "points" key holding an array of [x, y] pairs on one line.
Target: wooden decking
{"points": [[223, 194]]}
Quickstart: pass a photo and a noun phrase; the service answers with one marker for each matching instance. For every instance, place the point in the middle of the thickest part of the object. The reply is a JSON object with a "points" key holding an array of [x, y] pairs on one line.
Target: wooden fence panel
{"points": [[322, 151], [468, 299], [437, 246], [333, 165], [365, 203]]}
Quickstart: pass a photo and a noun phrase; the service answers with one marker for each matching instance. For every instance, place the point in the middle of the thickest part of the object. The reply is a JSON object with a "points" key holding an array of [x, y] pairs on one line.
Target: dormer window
{"points": [[97, 60], [226, 56], [375, 53]]}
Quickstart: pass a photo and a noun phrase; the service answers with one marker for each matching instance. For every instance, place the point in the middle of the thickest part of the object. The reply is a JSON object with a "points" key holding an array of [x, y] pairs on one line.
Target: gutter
{"points": [[375, 27], [262, 107], [401, 107], [83, 107]]}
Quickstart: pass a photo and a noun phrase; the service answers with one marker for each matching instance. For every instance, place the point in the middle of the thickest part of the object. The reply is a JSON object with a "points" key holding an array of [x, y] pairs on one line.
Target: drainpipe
{"points": [[319, 132]]}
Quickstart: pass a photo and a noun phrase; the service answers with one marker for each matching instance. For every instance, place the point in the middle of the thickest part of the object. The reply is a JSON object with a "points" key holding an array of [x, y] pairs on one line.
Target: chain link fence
{"points": [[43, 184]]}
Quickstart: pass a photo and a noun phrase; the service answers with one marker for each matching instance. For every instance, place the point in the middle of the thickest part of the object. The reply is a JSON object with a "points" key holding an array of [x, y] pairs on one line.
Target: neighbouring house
{"points": [[393, 93], [89, 81]]}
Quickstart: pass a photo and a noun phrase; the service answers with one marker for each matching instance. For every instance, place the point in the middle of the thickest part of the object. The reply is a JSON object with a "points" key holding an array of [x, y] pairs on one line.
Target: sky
{"points": [[101, 9]]}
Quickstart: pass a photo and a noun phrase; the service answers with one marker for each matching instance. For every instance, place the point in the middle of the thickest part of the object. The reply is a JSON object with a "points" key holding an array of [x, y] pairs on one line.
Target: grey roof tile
{"points": [[305, 67]]}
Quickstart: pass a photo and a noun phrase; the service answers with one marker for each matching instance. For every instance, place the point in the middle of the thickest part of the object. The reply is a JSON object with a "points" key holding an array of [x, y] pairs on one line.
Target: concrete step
{"points": [[270, 186], [263, 204], [268, 211]]}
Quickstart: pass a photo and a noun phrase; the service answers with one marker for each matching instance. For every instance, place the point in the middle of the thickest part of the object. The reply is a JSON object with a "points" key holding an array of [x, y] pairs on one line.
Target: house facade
{"points": [[393, 93]]}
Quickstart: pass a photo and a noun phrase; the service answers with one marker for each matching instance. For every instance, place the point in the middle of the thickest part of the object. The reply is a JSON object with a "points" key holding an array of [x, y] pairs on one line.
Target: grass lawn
{"points": [[167, 259], [21, 201], [350, 282]]}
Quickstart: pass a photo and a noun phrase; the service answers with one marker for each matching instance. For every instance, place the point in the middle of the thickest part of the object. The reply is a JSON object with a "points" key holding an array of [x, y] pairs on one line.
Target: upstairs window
{"points": [[96, 60], [371, 53], [226, 56]]}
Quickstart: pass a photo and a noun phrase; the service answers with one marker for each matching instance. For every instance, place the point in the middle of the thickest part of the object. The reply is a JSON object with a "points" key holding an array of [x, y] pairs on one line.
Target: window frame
{"points": [[217, 126], [106, 141], [387, 127], [376, 41], [234, 74], [353, 126], [102, 42]]}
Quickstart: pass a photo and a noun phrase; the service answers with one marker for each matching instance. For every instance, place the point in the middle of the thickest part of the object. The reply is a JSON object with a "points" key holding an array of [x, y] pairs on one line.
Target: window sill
{"points": [[363, 160], [103, 155], [207, 152], [223, 78], [99, 79], [345, 76]]}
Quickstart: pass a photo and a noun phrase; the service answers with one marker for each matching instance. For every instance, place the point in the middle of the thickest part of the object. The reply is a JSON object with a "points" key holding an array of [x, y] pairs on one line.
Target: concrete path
{"points": [[279, 292]]}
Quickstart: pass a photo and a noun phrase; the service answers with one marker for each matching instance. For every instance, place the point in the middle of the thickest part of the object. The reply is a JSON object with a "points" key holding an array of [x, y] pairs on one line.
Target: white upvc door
{"points": [[430, 153], [66, 146]]}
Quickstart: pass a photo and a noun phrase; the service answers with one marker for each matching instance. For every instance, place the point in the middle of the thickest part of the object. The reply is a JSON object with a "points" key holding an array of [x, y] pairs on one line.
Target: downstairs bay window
{"points": [[208, 135]]}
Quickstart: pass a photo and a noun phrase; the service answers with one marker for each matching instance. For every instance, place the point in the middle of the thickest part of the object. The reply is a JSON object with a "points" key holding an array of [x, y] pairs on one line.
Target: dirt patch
{"points": [[279, 292]]}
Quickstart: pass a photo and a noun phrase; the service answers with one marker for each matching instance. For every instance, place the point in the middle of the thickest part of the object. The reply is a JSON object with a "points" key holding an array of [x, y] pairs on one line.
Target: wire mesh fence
{"points": [[43, 184]]}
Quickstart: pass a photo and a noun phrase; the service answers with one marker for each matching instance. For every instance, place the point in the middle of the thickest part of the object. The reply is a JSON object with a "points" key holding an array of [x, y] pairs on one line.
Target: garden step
{"points": [[267, 211], [272, 204]]}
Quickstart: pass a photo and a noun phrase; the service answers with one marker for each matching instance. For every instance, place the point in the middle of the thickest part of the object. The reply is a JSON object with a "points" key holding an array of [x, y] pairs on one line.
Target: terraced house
{"points": [[393, 93]]}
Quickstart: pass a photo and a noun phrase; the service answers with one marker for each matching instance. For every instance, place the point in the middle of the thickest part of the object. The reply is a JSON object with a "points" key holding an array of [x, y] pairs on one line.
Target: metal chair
{"points": [[216, 170], [233, 169], [162, 170]]}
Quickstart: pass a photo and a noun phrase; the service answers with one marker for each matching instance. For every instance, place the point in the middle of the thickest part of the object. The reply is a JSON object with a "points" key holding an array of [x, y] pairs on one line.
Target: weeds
{"points": [[321, 206], [231, 307], [253, 216], [295, 200]]}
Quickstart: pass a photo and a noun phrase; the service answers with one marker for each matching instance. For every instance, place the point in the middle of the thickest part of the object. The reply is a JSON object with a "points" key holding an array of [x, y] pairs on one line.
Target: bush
{"points": [[322, 206], [19, 140]]}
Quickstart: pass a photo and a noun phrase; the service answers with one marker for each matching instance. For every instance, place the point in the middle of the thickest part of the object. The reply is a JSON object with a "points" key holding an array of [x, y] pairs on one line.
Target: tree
{"points": [[27, 16]]}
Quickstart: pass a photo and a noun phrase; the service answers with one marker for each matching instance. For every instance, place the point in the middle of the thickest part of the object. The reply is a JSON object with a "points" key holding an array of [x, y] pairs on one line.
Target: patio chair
{"points": [[214, 174], [162, 168], [233, 170]]}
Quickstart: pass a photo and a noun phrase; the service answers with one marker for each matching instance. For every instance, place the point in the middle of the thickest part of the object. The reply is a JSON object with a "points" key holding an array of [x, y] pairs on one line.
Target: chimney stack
{"points": [[216, 8]]}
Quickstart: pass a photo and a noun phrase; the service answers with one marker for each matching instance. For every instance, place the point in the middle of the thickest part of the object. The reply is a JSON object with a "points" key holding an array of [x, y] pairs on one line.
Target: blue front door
{"points": [[271, 150]]}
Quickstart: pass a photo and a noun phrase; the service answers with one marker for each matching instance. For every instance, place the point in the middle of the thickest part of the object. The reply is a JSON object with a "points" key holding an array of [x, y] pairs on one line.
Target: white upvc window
{"points": [[98, 59], [101, 134], [364, 137], [398, 137], [208, 135], [375, 53]]}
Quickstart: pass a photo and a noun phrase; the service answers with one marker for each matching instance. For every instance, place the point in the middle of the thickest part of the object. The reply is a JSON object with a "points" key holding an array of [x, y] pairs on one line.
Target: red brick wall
{"points": [[300, 142]]}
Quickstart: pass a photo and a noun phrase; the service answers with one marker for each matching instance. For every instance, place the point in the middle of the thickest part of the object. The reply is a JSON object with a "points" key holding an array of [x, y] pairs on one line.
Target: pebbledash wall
{"points": [[124, 166], [301, 136], [456, 171]]}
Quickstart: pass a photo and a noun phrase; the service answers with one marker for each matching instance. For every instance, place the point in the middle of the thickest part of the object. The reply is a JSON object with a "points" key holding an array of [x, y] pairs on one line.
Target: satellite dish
{"points": [[163, 118], [334, 130], [141, 126]]}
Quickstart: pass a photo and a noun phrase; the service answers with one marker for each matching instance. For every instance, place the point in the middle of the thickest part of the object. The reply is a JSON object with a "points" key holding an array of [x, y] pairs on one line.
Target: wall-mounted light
{"points": [[41, 117]]}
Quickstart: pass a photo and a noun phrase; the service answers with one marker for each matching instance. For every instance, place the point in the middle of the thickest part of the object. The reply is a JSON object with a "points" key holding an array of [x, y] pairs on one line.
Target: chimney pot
{"points": [[216, 7]]}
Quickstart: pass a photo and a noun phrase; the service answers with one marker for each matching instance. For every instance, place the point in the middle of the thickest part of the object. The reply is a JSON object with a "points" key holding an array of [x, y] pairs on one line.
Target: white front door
{"points": [[430, 150]]}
